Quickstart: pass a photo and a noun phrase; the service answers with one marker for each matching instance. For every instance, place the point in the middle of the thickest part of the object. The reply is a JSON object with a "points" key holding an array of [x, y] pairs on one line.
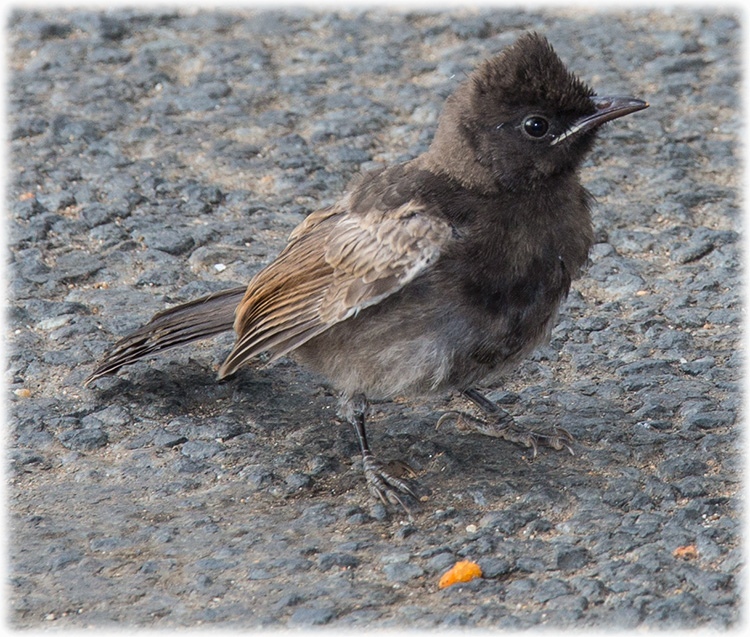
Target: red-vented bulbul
{"points": [[431, 275]]}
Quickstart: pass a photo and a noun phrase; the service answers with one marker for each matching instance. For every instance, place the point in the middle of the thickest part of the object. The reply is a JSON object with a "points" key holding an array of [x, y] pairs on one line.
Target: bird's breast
{"points": [[511, 282]]}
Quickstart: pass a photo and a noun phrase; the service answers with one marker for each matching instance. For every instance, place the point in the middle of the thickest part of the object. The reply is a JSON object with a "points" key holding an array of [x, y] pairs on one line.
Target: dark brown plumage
{"points": [[434, 274]]}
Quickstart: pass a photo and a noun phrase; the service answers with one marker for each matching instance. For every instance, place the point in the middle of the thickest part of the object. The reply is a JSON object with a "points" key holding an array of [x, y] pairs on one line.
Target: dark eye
{"points": [[536, 126]]}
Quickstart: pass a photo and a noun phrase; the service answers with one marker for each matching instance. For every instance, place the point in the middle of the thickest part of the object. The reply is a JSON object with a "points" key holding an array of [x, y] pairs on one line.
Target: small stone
{"points": [[402, 572], [311, 617], [551, 589], [168, 241], [201, 449], [97, 214], [164, 438], [76, 266], [149, 566], [592, 589], [259, 574], [256, 476], [572, 558], [113, 415], [507, 522], [692, 487], [709, 420], [84, 439], [493, 567], [404, 531], [27, 208], [527, 564], [677, 468], [54, 322], [442, 562], [108, 544], [327, 561], [358, 518], [519, 590], [297, 480]]}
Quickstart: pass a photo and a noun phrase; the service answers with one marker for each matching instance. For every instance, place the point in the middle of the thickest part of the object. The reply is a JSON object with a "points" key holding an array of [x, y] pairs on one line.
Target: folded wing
{"points": [[336, 264]]}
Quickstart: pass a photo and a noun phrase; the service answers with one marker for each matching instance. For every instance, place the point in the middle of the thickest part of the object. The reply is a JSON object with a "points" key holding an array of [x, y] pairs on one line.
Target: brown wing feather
{"points": [[336, 264]]}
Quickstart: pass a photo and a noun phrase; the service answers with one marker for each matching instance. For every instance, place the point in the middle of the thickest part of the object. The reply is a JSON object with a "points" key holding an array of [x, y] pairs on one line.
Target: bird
{"points": [[437, 274]]}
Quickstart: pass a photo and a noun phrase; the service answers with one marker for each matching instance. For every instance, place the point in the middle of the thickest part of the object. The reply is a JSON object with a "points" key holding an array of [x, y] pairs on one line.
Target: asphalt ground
{"points": [[158, 155]]}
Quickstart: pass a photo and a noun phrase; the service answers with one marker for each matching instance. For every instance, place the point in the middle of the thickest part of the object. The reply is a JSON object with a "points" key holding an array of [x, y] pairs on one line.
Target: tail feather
{"points": [[193, 321]]}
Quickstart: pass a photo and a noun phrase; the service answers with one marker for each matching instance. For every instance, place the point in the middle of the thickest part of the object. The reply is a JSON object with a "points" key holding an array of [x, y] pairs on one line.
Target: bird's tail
{"points": [[194, 321]]}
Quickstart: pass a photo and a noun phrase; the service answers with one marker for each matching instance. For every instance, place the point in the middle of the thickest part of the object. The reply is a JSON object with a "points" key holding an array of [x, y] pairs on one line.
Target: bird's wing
{"points": [[336, 264]]}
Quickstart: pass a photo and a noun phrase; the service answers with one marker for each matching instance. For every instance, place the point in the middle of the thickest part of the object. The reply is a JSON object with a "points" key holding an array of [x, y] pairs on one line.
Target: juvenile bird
{"points": [[431, 275]]}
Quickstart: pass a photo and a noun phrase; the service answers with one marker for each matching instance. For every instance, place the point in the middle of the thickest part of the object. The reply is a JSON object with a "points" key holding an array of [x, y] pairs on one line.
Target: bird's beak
{"points": [[607, 109]]}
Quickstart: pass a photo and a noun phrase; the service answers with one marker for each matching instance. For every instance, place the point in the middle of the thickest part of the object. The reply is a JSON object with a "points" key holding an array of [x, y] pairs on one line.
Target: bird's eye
{"points": [[536, 126]]}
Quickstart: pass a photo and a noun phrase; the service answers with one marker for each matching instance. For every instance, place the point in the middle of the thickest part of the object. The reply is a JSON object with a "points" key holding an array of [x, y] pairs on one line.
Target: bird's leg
{"points": [[380, 483], [500, 424]]}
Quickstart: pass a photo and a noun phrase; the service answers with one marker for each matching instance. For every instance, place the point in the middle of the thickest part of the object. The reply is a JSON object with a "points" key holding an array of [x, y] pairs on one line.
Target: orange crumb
{"points": [[689, 552], [461, 572]]}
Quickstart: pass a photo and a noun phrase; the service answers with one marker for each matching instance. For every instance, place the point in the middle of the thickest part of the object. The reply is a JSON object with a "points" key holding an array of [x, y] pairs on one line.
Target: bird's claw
{"points": [[448, 415], [557, 439], [503, 426], [384, 486]]}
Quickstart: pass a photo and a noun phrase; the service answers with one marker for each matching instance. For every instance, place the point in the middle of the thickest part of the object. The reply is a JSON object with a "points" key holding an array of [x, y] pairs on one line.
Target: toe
{"points": [[385, 486]]}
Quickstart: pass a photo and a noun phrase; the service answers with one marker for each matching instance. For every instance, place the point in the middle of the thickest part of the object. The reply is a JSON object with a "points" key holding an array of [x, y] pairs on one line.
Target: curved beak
{"points": [[607, 109]]}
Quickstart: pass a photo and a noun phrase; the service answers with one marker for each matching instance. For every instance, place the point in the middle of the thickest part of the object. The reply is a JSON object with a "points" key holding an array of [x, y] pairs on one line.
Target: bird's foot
{"points": [[385, 486], [502, 425]]}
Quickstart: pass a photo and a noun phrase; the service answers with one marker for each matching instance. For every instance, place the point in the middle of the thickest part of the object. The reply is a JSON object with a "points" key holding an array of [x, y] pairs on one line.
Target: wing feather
{"points": [[337, 263]]}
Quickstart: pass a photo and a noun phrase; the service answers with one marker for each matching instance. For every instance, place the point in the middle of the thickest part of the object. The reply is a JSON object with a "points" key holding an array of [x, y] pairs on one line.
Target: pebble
{"points": [[311, 617], [441, 563], [84, 439], [167, 241], [494, 567], [402, 572], [572, 558], [327, 561], [201, 449]]}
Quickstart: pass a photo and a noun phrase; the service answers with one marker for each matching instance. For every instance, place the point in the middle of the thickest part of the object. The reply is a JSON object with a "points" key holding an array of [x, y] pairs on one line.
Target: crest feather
{"points": [[530, 71]]}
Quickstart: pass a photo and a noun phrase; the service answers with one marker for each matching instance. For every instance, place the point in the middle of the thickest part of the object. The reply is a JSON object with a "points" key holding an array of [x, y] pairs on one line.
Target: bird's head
{"points": [[523, 117]]}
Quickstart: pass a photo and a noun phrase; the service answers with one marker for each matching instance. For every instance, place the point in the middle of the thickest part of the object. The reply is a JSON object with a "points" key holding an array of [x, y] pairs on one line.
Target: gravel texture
{"points": [[156, 156]]}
